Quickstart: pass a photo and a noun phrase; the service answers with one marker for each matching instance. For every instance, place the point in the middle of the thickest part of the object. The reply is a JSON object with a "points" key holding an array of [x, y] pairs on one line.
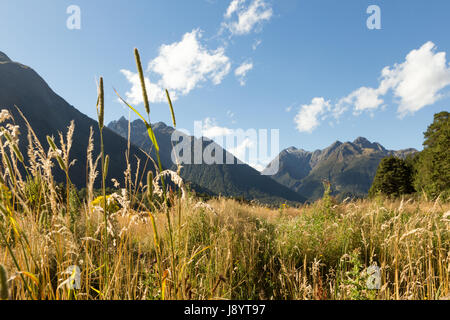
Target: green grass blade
{"points": [[149, 127]]}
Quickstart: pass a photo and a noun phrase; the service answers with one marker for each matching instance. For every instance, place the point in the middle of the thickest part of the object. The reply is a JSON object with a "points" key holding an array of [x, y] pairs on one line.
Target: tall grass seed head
{"points": [[142, 79], [4, 292], [101, 104]]}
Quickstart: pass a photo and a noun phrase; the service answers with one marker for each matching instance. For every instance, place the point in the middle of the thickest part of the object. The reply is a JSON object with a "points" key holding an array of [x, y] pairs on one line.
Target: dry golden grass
{"points": [[228, 250]]}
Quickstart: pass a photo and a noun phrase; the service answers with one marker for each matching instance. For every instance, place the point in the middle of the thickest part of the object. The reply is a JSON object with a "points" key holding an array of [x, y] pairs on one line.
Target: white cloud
{"points": [[241, 147], [185, 65], [233, 7], [258, 167], [134, 96], [362, 99], [256, 44], [419, 80], [249, 16], [417, 83], [211, 130], [182, 67], [240, 150], [307, 118], [242, 70]]}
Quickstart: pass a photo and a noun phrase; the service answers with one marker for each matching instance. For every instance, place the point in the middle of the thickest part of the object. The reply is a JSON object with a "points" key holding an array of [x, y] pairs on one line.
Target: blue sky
{"points": [[310, 68]]}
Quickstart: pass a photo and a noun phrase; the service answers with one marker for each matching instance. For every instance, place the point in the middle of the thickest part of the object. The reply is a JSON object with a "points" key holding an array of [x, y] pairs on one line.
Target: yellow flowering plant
{"points": [[111, 203]]}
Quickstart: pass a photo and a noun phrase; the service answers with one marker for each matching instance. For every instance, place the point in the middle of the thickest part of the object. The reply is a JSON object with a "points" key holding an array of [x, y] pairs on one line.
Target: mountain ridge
{"points": [[4, 57], [349, 166], [232, 180], [48, 114]]}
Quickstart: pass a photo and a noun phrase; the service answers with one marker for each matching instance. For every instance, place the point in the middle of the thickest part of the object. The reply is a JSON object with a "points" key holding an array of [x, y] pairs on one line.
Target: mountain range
{"points": [[233, 178], [49, 114], [350, 167]]}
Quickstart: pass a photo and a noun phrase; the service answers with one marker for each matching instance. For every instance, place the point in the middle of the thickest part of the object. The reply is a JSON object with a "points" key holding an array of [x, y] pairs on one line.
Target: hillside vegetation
{"points": [[49, 115]]}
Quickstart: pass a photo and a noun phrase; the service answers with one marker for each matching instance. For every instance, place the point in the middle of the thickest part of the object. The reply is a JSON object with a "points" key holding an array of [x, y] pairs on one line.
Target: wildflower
{"points": [[111, 203]]}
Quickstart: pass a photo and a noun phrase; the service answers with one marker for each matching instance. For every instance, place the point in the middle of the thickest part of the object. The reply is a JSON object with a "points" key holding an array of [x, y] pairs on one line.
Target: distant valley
{"points": [[237, 180], [350, 167]]}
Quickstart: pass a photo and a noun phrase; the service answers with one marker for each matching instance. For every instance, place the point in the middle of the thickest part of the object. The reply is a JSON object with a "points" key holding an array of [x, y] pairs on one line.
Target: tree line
{"points": [[426, 172]]}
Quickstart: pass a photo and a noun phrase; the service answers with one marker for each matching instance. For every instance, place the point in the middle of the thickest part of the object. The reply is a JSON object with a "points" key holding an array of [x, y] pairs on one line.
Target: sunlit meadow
{"points": [[146, 240]]}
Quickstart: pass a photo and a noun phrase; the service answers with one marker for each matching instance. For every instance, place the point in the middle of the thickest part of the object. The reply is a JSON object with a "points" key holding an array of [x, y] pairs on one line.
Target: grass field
{"points": [[217, 250], [143, 241]]}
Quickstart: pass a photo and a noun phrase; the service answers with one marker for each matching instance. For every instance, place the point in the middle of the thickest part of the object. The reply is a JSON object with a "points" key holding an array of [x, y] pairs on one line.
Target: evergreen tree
{"points": [[433, 167], [394, 177]]}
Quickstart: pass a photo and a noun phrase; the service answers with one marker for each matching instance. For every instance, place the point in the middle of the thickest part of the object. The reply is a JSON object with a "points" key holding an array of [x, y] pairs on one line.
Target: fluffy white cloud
{"points": [[307, 119], [233, 7], [242, 70], [185, 64], [248, 15], [419, 80], [134, 96], [417, 83], [362, 99], [181, 67], [211, 130], [240, 150]]}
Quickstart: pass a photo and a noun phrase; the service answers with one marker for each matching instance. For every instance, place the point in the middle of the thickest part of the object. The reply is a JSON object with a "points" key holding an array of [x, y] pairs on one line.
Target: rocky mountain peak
{"points": [[349, 166], [335, 145], [363, 142], [159, 125], [366, 144], [4, 57], [291, 149]]}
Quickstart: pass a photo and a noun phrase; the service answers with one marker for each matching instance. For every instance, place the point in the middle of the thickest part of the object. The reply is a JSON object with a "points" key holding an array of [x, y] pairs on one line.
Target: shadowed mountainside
{"points": [[231, 180], [49, 114]]}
